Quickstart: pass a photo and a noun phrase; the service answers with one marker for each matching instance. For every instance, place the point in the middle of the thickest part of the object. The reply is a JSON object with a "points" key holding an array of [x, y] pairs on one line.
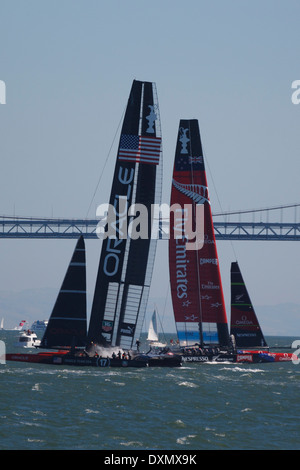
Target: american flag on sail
{"points": [[141, 149]]}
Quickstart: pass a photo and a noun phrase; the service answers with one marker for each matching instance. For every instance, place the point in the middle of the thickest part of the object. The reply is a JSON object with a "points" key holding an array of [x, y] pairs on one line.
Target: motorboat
{"points": [[28, 339]]}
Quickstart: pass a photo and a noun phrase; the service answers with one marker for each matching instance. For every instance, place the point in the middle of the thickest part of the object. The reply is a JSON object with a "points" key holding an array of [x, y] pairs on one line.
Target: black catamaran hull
{"points": [[61, 359], [70, 360], [165, 360]]}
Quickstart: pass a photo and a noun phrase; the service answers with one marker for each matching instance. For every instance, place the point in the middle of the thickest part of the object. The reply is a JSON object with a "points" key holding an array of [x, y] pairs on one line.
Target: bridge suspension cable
{"points": [[253, 211]]}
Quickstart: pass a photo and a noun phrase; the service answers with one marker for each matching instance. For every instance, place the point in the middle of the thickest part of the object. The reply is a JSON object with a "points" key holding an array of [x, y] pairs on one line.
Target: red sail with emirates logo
{"points": [[196, 286]]}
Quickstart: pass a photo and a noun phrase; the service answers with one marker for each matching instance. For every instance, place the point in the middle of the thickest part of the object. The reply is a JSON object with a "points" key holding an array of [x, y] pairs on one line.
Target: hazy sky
{"points": [[68, 66]]}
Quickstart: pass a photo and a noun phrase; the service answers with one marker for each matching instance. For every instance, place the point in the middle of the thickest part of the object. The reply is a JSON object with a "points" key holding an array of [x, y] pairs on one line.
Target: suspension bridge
{"points": [[280, 223]]}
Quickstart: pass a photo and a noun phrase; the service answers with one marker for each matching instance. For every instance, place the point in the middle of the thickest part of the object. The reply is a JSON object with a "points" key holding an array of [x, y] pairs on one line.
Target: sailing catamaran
{"points": [[66, 331], [244, 324], [126, 263], [196, 286]]}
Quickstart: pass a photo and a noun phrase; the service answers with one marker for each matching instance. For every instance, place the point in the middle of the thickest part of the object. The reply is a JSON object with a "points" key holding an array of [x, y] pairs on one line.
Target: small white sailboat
{"points": [[153, 332]]}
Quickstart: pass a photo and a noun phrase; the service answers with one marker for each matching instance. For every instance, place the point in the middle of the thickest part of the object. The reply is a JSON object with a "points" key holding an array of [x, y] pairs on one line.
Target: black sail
{"points": [[244, 323], [125, 267], [67, 326]]}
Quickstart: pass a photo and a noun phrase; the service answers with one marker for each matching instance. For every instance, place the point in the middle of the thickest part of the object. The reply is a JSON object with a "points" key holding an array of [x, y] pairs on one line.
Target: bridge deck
{"points": [[72, 228]]}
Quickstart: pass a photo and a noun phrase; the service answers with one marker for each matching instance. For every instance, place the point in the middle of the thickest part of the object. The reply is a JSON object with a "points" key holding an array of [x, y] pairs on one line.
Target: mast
{"points": [[126, 264], [244, 323], [196, 287], [67, 326]]}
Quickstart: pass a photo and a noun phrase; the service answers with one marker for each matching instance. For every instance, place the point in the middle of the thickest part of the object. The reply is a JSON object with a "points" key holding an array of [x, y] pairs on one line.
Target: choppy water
{"points": [[198, 406]]}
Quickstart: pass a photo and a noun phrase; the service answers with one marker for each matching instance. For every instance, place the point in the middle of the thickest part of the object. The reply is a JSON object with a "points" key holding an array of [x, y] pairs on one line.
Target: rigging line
{"points": [[164, 311], [106, 160], [222, 212], [162, 330]]}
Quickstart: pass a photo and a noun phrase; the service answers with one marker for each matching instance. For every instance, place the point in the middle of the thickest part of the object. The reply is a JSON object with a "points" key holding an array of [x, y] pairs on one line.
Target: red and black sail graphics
{"points": [[196, 287], [244, 323], [125, 266], [67, 325]]}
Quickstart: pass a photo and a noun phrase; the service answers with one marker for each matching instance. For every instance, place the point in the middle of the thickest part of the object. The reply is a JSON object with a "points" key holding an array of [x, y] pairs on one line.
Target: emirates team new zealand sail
{"points": [[197, 294]]}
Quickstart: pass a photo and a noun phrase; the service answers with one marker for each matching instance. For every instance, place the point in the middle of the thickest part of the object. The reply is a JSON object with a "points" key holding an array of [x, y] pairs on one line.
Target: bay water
{"points": [[194, 407]]}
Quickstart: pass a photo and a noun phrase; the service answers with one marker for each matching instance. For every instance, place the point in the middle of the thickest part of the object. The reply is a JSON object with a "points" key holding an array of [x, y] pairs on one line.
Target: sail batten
{"points": [[196, 287], [125, 267]]}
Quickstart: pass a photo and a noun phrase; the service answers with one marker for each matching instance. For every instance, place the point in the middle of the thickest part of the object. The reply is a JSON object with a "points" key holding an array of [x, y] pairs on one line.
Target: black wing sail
{"points": [[244, 323], [125, 267], [67, 326]]}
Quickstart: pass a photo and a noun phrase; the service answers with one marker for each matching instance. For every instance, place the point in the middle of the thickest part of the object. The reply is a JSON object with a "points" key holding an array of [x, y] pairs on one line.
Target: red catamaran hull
{"points": [[242, 357], [267, 356]]}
